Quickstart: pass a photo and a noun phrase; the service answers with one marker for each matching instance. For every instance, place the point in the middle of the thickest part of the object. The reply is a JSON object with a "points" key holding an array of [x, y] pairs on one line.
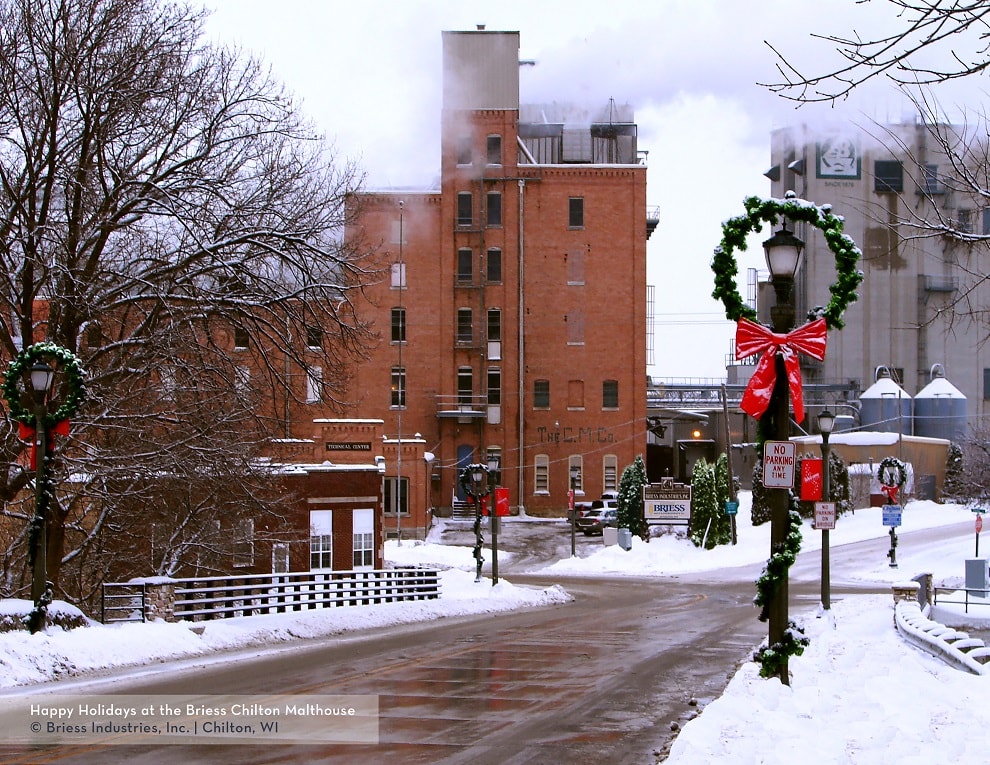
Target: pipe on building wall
{"points": [[521, 362]]}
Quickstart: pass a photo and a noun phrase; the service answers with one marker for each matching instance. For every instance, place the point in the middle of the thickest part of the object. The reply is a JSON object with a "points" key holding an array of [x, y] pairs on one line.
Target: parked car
{"points": [[596, 520]]}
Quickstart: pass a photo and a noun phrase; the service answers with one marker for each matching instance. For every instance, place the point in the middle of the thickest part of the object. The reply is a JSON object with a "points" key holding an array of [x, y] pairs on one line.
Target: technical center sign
{"points": [[667, 503]]}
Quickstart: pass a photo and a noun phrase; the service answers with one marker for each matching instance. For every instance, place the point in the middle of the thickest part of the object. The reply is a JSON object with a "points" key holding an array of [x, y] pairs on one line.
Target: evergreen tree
{"points": [[710, 526], [630, 499]]}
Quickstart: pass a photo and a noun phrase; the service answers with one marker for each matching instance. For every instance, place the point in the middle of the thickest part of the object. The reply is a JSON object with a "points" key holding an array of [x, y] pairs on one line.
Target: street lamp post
{"points": [[493, 465], [783, 254], [41, 383], [477, 478], [826, 421], [575, 473]]}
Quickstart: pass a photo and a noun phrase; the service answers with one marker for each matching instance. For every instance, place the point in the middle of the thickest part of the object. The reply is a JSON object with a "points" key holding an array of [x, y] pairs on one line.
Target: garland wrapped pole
{"points": [[30, 375], [777, 378]]}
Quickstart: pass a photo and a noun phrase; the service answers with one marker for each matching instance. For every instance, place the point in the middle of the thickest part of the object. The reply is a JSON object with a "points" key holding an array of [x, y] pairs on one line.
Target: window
{"points": [[986, 221], [541, 474], [314, 338], [494, 386], [465, 209], [398, 276], [242, 379], [610, 472], [398, 325], [494, 453], [494, 265], [464, 151], [541, 394], [930, 183], [465, 265], [320, 540], [494, 150], [494, 206], [397, 495], [494, 324], [986, 384], [364, 549], [494, 334], [610, 394], [575, 212], [575, 394], [240, 338], [280, 557], [399, 234], [964, 221], [465, 385], [575, 464], [888, 175], [244, 543], [398, 387], [465, 329], [314, 384]]}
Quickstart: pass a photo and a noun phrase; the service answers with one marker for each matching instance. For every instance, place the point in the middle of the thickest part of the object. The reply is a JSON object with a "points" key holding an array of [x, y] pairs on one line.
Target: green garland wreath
{"points": [[762, 211], [68, 363], [464, 479], [892, 463]]}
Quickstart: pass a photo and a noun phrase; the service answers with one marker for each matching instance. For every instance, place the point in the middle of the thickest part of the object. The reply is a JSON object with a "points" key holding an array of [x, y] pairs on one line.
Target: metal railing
{"points": [[965, 602], [123, 602], [224, 597]]}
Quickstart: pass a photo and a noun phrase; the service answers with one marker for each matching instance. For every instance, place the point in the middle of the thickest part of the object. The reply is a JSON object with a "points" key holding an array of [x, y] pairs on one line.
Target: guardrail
{"points": [[222, 597]]}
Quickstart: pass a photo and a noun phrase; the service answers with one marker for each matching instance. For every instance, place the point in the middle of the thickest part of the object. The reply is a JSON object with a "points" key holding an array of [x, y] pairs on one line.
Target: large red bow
{"points": [[753, 338], [28, 433]]}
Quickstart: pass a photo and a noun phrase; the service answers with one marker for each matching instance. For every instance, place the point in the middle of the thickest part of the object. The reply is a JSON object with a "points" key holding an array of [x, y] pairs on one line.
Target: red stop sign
{"points": [[979, 524]]}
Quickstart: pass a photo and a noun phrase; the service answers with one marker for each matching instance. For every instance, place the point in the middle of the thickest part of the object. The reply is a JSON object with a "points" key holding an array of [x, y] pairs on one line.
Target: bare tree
{"points": [[161, 198], [957, 34]]}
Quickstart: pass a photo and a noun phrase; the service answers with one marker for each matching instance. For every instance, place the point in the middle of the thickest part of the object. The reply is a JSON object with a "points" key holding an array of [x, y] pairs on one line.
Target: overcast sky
{"points": [[369, 75]]}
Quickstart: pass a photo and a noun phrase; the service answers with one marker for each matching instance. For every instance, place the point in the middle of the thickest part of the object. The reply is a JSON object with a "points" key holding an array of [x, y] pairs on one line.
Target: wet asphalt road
{"points": [[608, 677]]}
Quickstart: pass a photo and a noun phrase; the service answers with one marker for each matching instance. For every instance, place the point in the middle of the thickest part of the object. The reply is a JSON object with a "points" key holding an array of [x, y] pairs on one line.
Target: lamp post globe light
{"points": [[474, 481], [41, 377], [783, 255], [826, 422], [776, 381]]}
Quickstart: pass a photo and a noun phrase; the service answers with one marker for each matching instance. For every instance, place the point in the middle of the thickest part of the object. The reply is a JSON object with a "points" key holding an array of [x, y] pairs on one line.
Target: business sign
{"points": [[779, 458], [348, 446], [667, 502], [824, 516]]}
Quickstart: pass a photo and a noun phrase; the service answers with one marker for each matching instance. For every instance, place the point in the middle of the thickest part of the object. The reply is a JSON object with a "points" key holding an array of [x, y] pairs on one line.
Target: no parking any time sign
{"points": [[779, 458]]}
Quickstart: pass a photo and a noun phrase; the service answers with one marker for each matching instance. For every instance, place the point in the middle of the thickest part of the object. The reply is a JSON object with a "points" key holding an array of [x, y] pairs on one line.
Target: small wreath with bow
{"points": [[892, 466], [467, 483], [762, 211], [67, 362]]}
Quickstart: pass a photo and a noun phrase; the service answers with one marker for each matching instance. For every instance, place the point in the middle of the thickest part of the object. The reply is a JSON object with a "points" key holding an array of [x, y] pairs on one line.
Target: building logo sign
{"points": [[839, 157], [667, 502], [348, 446]]}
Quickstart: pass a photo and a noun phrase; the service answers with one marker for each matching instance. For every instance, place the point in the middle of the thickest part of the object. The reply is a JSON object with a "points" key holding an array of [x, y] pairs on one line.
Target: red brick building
{"points": [[514, 322]]}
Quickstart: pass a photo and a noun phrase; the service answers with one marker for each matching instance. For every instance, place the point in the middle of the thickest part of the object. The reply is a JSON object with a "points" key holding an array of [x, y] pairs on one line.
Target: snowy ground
{"points": [[859, 694]]}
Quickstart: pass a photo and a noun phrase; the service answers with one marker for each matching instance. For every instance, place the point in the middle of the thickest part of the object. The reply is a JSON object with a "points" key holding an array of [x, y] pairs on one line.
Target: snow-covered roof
{"points": [[938, 388], [885, 387]]}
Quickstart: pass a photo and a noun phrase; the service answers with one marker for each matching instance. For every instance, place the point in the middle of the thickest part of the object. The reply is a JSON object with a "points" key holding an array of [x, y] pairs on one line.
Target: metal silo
{"points": [[885, 406], [940, 408]]}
